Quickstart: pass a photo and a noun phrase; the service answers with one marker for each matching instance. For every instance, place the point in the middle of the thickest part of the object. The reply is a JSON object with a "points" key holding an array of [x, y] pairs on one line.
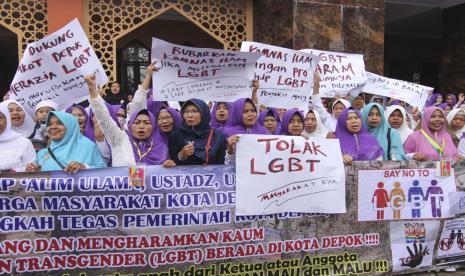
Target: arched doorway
{"points": [[133, 49], [8, 58]]}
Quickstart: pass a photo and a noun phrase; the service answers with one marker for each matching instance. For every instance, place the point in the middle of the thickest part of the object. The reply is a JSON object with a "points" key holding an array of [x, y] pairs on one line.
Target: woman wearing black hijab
{"points": [[195, 142]]}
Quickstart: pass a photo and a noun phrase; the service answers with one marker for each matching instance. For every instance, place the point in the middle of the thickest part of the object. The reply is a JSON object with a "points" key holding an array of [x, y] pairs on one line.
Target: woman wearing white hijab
{"points": [[16, 151], [21, 122], [313, 127], [456, 124], [397, 118]]}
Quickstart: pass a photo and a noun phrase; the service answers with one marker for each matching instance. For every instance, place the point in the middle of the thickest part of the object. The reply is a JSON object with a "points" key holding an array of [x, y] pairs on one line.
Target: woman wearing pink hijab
{"points": [[431, 141]]}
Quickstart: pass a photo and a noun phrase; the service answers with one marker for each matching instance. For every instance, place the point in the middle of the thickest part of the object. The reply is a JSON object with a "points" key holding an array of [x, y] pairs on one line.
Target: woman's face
{"points": [[337, 109], [17, 114], [378, 101], [165, 121], [42, 113], [249, 115], [449, 99], [222, 112], [56, 130], [458, 122], [81, 118], [439, 99], [353, 123], [358, 102], [310, 122], [296, 126], [142, 128], [447, 109], [396, 119], [281, 112], [436, 122], [374, 117], [191, 115], [2, 123], [270, 123]]}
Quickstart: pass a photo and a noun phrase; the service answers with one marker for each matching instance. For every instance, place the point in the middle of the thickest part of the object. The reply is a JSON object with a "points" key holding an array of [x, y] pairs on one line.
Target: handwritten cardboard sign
{"points": [[289, 174], [411, 93], [202, 73], [53, 68], [340, 73], [285, 75]]}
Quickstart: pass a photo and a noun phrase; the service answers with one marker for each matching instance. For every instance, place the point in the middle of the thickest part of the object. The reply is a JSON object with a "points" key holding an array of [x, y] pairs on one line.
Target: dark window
{"points": [[134, 58]]}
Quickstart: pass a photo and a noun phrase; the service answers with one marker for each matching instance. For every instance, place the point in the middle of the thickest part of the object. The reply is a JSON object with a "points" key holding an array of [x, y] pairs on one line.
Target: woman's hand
{"points": [[232, 141], [91, 83], [148, 75], [187, 151], [419, 157], [169, 164], [460, 158], [316, 83], [74, 167], [33, 167], [331, 135], [347, 160]]}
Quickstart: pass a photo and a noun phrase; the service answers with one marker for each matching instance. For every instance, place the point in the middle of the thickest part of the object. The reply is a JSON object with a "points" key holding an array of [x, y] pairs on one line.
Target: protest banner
{"points": [[457, 203], [181, 221], [54, 67], [413, 243], [403, 194], [411, 93], [340, 73], [202, 73], [289, 174], [451, 248], [285, 75]]}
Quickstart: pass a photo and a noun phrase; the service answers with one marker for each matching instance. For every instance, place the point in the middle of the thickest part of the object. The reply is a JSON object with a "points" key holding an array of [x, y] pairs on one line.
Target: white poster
{"points": [[411, 93], [54, 67], [202, 73], [403, 194], [412, 243], [457, 203], [285, 75], [279, 174], [451, 248], [340, 73]]}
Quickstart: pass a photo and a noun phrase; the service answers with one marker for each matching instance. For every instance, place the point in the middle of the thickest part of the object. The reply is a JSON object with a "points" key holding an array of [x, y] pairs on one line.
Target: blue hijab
{"points": [[381, 131], [73, 147]]}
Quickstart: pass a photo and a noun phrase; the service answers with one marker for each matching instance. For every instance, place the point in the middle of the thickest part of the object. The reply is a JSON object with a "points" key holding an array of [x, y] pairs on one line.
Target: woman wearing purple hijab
{"points": [[293, 123], [81, 115], [220, 115], [244, 119], [168, 120], [269, 119], [356, 142], [141, 144], [451, 99]]}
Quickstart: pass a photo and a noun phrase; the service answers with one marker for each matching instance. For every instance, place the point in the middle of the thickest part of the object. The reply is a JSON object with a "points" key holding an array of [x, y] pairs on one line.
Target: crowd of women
{"points": [[152, 133]]}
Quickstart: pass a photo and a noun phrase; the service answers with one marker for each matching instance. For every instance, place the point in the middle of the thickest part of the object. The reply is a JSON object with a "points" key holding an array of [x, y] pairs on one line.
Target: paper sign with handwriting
{"points": [[411, 93], [54, 67], [202, 73], [289, 174], [340, 73], [285, 75]]}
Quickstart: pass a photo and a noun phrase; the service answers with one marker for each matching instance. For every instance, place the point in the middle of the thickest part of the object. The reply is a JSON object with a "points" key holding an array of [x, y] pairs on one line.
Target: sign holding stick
{"points": [[53, 68], [202, 73], [285, 75], [411, 93], [289, 174], [340, 73]]}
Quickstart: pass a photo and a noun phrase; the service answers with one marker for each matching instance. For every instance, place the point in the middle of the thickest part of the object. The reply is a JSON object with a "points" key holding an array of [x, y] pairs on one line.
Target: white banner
{"points": [[53, 68], [285, 75], [457, 203], [202, 73], [403, 194], [451, 248], [412, 243], [340, 73], [411, 93], [276, 174]]}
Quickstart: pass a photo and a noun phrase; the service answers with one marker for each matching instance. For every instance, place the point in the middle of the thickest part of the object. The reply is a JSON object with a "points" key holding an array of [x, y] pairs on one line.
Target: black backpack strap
{"points": [[54, 158], [389, 143]]}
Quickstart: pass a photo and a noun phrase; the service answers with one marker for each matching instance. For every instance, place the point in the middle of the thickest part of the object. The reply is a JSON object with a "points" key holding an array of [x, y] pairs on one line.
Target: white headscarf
{"points": [[46, 103], [404, 130], [374, 97], [28, 125], [451, 116], [7, 134], [346, 103], [320, 131]]}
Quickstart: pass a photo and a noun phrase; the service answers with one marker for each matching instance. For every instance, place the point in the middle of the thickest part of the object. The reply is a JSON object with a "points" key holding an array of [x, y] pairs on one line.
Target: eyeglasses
{"points": [[165, 119]]}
